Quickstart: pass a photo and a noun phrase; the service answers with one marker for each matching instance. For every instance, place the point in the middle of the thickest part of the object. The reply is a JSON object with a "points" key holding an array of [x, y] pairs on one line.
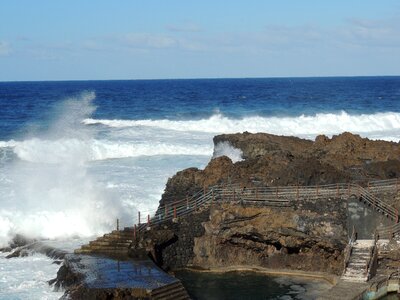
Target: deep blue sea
{"points": [[77, 155]]}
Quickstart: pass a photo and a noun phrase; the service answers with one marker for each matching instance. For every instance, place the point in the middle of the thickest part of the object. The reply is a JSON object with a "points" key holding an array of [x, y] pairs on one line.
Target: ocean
{"points": [[77, 155]]}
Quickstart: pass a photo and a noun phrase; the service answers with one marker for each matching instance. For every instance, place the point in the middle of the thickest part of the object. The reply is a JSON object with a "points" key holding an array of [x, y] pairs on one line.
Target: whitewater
{"points": [[91, 163]]}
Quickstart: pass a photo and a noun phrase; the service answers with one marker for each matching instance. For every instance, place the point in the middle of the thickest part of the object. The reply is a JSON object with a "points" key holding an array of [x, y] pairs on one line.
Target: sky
{"points": [[160, 39]]}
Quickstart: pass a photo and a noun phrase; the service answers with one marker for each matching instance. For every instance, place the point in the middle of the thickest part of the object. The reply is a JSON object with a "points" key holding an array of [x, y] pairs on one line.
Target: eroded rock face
{"points": [[272, 237], [271, 160], [170, 245]]}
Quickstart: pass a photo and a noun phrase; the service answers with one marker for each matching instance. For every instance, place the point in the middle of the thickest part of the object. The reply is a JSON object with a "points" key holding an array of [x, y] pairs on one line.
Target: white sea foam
{"points": [[26, 278], [58, 151], [378, 126], [61, 199], [225, 148]]}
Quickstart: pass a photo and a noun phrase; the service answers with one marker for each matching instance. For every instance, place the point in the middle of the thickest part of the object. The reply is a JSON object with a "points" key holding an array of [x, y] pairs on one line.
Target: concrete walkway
{"points": [[142, 278], [345, 290]]}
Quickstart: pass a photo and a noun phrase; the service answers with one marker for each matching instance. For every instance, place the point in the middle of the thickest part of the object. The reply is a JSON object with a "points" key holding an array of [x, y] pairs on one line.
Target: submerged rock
{"points": [[37, 247]]}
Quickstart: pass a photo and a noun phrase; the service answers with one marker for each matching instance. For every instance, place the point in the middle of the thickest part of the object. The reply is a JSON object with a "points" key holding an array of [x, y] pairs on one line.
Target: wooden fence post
{"points": [[297, 191], [148, 220], [139, 217], [134, 232], [349, 191], [117, 224], [187, 202], [175, 212], [337, 190], [317, 191]]}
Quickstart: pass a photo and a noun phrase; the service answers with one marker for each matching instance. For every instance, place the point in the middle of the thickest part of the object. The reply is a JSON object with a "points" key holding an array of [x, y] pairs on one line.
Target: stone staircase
{"points": [[115, 243], [174, 291], [356, 270]]}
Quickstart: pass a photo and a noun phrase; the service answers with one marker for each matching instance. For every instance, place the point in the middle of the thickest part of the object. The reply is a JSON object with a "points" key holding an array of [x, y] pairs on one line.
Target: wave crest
{"points": [[79, 151], [323, 123]]}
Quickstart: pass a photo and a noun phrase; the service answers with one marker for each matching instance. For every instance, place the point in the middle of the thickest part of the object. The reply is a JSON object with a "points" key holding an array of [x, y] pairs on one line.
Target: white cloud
{"points": [[185, 27], [5, 48], [371, 33], [146, 41]]}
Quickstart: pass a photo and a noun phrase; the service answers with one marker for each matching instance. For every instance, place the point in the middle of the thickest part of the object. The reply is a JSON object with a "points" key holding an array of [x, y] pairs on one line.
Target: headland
{"points": [[290, 206]]}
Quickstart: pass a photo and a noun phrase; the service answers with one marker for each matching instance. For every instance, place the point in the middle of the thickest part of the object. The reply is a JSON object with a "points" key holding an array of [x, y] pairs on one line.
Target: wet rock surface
{"points": [[98, 277]]}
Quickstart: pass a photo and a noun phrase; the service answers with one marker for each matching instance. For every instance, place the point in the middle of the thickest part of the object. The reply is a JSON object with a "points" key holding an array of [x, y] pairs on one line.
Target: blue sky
{"points": [[129, 39]]}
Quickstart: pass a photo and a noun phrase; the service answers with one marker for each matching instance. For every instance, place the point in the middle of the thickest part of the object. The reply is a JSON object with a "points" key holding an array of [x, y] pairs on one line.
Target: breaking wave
{"points": [[376, 126], [80, 151]]}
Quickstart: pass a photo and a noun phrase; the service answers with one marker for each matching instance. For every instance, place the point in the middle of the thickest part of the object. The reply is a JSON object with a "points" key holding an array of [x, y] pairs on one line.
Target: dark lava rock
{"points": [[271, 160]]}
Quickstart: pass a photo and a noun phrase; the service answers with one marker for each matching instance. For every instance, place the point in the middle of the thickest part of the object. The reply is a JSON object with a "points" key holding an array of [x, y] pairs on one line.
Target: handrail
{"points": [[279, 195], [373, 260], [349, 248], [384, 281]]}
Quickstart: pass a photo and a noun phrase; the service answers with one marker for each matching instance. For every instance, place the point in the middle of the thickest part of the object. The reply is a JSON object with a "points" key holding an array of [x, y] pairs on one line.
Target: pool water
{"points": [[249, 285]]}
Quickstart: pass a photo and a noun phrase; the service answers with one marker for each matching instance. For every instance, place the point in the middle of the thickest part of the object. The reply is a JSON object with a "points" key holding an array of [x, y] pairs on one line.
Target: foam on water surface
{"points": [[26, 278], [379, 125], [72, 170]]}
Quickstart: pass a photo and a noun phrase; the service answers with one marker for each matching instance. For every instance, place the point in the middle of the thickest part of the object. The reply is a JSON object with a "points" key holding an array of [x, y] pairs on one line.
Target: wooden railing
{"points": [[349, 248], [278, 196], [373, 260], [388, 232], [385, 281]]}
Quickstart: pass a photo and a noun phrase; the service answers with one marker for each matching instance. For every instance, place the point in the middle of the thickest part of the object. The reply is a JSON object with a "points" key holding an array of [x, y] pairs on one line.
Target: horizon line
{"points": [[201, 78]]}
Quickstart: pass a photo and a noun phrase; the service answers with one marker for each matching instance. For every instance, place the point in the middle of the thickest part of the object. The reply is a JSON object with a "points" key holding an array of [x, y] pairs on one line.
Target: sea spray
{"points": [[37, 150], [225, 148], [51, 194]]}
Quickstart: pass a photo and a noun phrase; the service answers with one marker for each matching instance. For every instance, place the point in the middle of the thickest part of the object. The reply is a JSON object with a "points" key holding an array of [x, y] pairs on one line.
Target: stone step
{"points": [[117, 238], [105, 247], [101, 251], [166, 288], [110, 239], [352, 272], [359, 260], [113, 244], [110, 242], [353, 279], [172, 295], [170, 292], [356, 265], [119, 235], [360, 250], [360, 272]]}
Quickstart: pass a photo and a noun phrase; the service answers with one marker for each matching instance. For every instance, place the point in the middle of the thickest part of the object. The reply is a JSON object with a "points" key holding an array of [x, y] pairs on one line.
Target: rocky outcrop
{"points": [[271, 160], [21, 246], [310, 237], [171, 244], [307, 236]]}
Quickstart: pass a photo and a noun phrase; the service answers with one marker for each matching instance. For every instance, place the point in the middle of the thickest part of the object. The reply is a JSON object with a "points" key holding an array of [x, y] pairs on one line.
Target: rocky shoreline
{"points": [[308, 236]]}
